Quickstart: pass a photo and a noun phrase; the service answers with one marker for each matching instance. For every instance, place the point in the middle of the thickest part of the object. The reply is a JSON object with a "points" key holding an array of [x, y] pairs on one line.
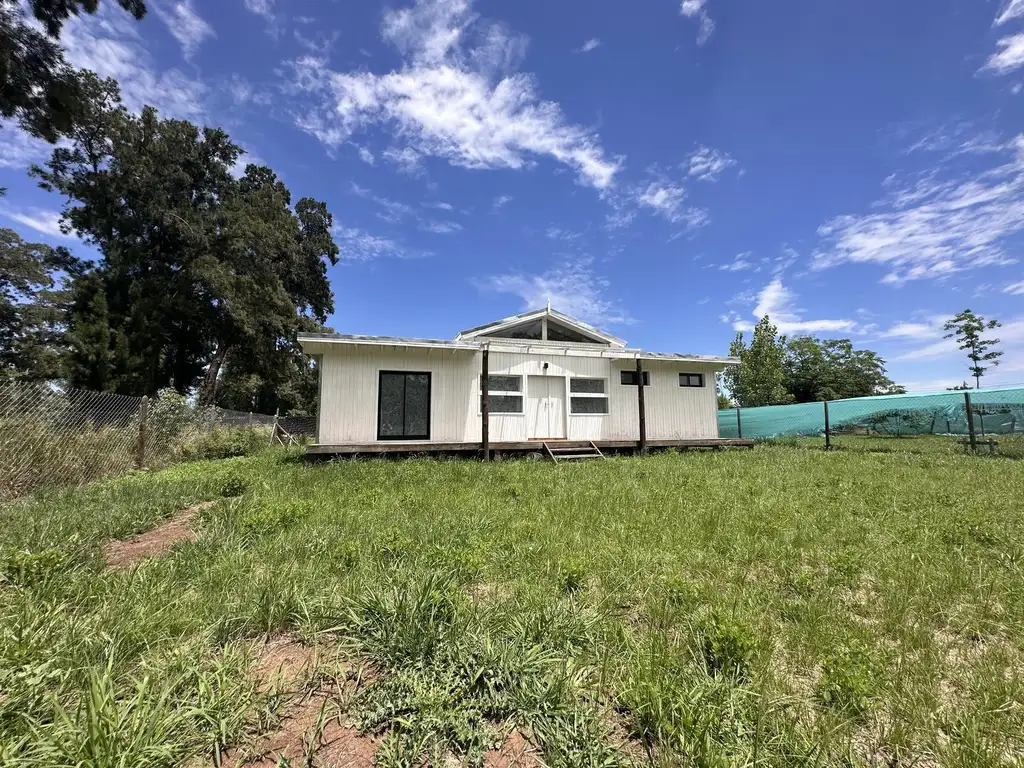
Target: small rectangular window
{"points": [[628, 378], [503, 394], [587, 386], [691, 379], [588, 396], [589, 404]]}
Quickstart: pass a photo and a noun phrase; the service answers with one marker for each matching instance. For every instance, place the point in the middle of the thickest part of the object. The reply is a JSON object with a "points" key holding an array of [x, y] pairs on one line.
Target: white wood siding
{"points": [[350, 377]]}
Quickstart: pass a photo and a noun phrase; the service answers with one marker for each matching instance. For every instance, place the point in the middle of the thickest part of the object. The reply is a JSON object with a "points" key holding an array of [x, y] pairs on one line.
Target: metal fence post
{"points": [[828, 430], [970, 422], [739, 423], [140, 448]]}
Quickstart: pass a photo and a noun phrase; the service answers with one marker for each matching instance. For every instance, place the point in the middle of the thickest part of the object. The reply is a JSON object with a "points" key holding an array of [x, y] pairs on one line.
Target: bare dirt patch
{"points": [[516, 752], [125, 553], [313, 729]]}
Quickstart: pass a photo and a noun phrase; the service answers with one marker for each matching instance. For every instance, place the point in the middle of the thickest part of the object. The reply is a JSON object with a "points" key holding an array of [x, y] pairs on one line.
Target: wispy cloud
{"points": [[707, 164], [407, 159], [500, 202], [697, 9], [738, 264], [572, 287], [19, 150], [1009, 57], [591, 44], [934, 225], [457, 97], [1012, 9], [1015, 289], [41, 220], [366, 156], [187, 26], [441, 227], [779, 303], [359, 245], [264, 8]]}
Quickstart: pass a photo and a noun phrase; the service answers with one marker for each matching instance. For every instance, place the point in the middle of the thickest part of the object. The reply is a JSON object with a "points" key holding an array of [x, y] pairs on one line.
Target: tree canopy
{"points": [[201, 273], [38, 88], [968, 329], [774, 370]]}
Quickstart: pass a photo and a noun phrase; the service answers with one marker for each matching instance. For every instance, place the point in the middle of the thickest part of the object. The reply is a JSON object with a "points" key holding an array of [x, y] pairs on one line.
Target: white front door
{"points": [[545, 407]]}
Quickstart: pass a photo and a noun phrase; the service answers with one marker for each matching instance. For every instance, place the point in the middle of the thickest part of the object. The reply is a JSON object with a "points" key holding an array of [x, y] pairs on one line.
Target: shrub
{"points": [[234, 486], [727, 647], [226, 443], [24, 569]]}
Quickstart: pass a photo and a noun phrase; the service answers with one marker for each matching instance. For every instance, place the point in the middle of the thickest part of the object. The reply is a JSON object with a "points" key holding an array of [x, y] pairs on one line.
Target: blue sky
{"points": [[666, 170]]}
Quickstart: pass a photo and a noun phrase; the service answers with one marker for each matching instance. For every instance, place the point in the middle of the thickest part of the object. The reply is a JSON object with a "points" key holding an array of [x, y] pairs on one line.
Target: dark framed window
{"points": [[504, 394], [587, 396], [691, 379], [403, 406], [628, 378]]}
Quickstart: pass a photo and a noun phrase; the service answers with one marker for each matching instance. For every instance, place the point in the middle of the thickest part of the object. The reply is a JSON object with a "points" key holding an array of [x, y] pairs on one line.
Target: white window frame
{"points": [[521, 394], [605, 395], [703, 380]]}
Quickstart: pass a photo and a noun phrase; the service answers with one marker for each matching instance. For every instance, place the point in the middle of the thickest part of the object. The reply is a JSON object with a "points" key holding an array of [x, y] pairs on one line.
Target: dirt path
{"points": [[125, 553]]}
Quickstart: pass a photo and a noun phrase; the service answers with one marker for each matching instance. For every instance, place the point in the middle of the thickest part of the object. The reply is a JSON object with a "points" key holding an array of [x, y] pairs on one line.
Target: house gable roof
{"points": [[498, 328]]}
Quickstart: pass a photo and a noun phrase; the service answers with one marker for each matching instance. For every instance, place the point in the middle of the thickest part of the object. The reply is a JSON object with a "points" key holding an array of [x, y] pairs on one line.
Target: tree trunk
{"points": [[208, 390]]}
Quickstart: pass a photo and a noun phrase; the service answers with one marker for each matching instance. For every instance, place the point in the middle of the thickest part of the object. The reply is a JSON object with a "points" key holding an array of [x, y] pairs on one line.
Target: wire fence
{"points": [[989, 421], [51, 436]]}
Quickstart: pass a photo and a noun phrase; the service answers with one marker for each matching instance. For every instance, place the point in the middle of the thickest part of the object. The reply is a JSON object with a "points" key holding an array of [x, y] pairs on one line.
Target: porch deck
{"points": [[530, 446]]}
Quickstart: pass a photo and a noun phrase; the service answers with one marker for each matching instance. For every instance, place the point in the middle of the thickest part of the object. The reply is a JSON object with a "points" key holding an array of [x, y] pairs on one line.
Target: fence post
{"points": [[970, 422], [739, 423], [140, 448], [273, 434], [828, 430]]}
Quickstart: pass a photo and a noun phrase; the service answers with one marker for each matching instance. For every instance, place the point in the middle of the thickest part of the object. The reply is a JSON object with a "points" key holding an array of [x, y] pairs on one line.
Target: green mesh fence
{"points": [[866, 421]]}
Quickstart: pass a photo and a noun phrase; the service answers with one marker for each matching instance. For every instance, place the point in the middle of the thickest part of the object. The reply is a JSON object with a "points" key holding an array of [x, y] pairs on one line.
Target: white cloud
{"points": [[264, 8], [188, 28], [359, 245], [777, 301], [1012, 10], [366, 156], [454, 97], [500, 202], [697, 9], [738, 264], [109, 44], [439, 205], [19, 150], [572, 288], [408, 160], [39, 219], [935, 226], [590, 45], [1009, 57], [1015, 288], [707, 164], [441, 227]]}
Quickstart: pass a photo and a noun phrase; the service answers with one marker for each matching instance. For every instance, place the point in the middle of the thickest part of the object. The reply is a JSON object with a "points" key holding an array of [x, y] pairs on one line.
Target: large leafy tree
{"points": [[760, 378], [831, 369], [32, 307], [968, 329], [197, 266], [38, 89]]}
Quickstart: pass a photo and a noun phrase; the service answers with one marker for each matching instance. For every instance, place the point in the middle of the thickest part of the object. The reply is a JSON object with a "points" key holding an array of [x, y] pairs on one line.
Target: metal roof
{"points": [[534, 313]]}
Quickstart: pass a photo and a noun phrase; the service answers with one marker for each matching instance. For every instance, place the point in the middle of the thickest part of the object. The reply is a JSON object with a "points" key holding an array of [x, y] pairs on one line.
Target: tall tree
{"points": [[831, 369], [967, 328], [197, 266], [32, 306], [760, 378], [38, 88]]}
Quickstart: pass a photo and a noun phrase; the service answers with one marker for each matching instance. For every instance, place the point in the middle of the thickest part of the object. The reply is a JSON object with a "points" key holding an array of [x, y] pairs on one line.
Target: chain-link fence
{"points": [[52, 436], [989, 421]]}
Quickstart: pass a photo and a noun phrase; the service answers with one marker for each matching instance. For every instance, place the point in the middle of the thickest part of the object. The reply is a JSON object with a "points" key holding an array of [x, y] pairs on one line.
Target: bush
{"points": [[226, 443], [727, 647]]}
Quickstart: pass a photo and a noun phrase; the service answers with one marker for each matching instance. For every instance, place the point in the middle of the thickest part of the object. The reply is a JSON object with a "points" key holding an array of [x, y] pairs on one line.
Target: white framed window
{"points": [[504, 394], [691, 379], [588, 397]]}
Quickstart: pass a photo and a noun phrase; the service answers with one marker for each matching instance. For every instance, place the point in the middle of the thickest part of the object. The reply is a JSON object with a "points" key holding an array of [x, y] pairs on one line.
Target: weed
{"points": [[848, 680], [726, 645], [572, 577]]}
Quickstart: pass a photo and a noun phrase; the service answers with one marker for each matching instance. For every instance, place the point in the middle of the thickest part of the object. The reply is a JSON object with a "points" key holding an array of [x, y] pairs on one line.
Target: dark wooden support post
{"points": [[640, 405], [970, 422], [140, 448], [485, 408], [828, 430], [739, 423]]}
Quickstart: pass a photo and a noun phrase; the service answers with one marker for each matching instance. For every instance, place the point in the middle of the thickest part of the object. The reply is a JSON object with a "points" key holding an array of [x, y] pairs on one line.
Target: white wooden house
{"points": [[549, 378]]}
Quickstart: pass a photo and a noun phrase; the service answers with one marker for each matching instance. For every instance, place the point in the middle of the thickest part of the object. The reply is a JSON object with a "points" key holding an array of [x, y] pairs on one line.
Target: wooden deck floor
{"points": [[419, 447]]}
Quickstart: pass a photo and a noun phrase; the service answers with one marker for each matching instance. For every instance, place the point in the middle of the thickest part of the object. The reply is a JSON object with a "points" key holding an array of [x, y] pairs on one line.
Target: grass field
{"points": [[1007, 446], [776, 606]]}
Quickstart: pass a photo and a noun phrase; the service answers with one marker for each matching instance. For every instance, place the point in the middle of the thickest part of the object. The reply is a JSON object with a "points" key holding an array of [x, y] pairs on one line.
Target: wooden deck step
{"points": [[559, 453]]}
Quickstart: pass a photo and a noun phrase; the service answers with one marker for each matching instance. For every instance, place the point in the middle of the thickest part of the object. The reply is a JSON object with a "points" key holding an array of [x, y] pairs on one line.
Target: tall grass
{"points": [[774, 607]]}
